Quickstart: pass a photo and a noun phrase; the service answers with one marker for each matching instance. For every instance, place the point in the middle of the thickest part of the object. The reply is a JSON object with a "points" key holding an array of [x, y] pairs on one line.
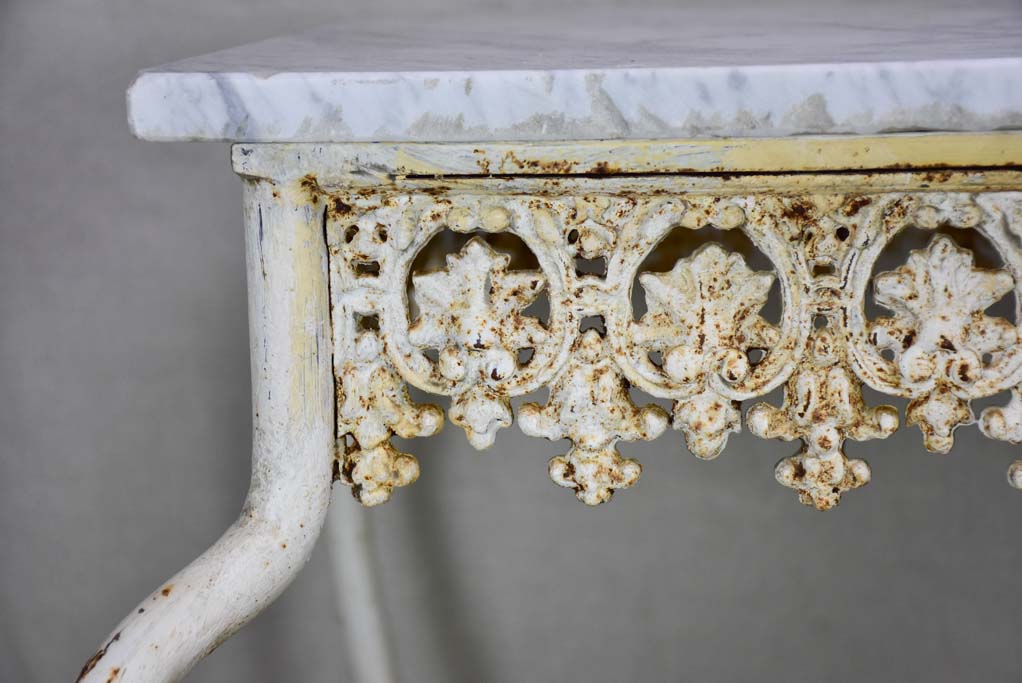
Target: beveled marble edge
{"points": [[579, 104]]}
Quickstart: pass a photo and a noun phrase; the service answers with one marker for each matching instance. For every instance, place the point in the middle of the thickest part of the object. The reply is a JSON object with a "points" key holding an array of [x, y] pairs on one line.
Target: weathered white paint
{"points": [[332, 232], [191, 613], [373, 163], [823, 235]]}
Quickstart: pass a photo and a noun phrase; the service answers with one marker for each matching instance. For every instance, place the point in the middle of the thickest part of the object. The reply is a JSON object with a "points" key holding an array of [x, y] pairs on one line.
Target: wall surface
{"points": [[124, 449]]}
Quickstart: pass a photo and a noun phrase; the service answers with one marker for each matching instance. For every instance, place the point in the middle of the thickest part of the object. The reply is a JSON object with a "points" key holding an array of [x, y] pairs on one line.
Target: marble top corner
{"points": [[705, 70]]}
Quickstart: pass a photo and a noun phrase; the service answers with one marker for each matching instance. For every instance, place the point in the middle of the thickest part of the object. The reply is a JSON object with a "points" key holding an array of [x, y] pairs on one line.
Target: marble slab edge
{"points": [[578, 104]]}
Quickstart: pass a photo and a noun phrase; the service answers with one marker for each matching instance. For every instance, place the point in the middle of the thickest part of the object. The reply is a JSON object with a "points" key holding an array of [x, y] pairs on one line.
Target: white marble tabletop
{"points": [[704, 70]]}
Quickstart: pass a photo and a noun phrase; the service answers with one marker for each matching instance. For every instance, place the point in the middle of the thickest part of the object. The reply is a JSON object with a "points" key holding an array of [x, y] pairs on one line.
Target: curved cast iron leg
{"points": [[191, 613]]}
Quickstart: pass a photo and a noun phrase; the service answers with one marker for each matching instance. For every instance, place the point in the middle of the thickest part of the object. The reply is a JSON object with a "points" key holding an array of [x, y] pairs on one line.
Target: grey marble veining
{"points": [[710, 69]]}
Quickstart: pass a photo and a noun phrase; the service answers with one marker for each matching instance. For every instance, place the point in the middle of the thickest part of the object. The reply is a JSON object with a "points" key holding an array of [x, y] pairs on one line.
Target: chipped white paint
{"points": [[823, 406], [332, 236], [191, 613], [471, 313], [702, 316], [467, 332], [605, 157], [1005, 423], [333, 231]]}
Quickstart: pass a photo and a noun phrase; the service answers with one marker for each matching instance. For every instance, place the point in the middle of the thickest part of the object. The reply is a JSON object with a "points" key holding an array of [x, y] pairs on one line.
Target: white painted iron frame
{"points": [[329, 388]]}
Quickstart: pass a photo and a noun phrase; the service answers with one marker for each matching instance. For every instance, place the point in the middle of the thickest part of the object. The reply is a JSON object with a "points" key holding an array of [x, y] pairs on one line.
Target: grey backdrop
{"points": [[124, 428]]}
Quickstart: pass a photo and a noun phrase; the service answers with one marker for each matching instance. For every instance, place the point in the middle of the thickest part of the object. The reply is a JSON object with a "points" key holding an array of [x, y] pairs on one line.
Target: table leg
{"points": [[198, 608]]}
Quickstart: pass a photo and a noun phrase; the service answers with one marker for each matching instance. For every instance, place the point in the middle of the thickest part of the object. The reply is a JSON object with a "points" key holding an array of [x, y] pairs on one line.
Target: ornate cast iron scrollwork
{"points": [[701, 343]]}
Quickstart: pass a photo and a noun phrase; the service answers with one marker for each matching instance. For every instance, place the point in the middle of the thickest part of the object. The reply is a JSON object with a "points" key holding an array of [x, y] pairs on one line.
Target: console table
{"points": [[543, 159]]}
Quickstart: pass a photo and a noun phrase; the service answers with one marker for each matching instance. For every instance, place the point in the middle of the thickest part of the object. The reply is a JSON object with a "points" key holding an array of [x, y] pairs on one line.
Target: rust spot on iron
{"points": [[853, 205], [604, 168], [558, 166], [799, 211], [94, 659], [483, 163], [310, 186], [339, 208]]}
